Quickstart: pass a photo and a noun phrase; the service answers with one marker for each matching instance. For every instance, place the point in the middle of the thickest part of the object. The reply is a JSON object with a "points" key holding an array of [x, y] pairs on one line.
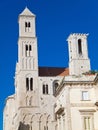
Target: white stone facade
{"points": [[51, 98]]}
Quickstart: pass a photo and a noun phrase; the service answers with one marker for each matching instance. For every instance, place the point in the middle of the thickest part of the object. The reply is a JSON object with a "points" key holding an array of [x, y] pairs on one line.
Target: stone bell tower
{"points": [[27, 67], [78, 54], [27, 52]]}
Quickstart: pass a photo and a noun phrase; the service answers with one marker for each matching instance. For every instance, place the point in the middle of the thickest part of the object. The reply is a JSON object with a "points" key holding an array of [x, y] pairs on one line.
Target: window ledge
{"points": [[86, 100]]}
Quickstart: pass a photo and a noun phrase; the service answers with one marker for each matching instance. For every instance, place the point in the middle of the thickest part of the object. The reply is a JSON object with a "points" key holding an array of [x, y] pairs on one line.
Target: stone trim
{"points": [[83, 105], [87, 111]]}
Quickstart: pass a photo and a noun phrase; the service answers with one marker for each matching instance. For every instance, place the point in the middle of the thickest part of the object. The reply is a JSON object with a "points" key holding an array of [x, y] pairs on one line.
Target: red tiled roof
{"points": [[53, 71]]}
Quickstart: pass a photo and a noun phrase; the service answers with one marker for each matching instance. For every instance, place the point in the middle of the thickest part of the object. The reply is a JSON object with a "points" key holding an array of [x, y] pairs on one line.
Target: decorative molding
{"points": [[81, 87], [87, 110], [83, 105]]}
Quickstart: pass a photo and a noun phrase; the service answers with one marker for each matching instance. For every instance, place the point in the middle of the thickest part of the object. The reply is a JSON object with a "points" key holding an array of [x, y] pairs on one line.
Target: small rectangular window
{"points": [[85, 95]]}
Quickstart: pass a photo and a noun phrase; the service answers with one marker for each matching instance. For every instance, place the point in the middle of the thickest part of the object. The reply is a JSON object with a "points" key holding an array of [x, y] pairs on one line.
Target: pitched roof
{"points": [[53, 71], [27, 12]]}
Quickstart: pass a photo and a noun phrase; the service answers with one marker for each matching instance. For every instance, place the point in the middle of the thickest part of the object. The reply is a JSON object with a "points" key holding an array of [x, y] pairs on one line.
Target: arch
{"points": [[26, 47], [30, 47], [26, 25], [40, 117], [32, 117], [26, 50], [55, 85], [27, 118], [29, 24], [28, 75], [45, 88], [48, 117], [48, 121], [30, 50], [44, 121], [24, 118], [79, 46], [29, 82]]}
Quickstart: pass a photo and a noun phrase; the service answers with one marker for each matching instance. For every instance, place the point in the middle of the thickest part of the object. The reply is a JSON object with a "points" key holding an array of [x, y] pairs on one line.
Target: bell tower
{"points": [[27, 52], [27, 24], [26, 75], [78, 54]]}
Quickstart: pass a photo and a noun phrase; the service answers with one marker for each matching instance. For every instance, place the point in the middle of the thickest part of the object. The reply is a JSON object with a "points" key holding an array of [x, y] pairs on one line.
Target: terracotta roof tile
{"points": [[53, 71]]}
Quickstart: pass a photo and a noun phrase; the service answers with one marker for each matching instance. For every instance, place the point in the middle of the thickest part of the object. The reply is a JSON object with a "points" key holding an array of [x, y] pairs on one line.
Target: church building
{"points": [[51, 98]]}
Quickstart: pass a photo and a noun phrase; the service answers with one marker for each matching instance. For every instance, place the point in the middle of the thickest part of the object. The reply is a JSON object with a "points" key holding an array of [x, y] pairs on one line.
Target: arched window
{"points": [[30, 47], [26, 47], [79, 47], [45, 88], [26, 50], [55, 86], [29, 84], [27, 26]]}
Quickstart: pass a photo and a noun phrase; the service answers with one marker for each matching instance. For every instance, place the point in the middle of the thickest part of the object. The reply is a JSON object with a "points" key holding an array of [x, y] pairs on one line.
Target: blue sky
{"points": [[55, 20]]}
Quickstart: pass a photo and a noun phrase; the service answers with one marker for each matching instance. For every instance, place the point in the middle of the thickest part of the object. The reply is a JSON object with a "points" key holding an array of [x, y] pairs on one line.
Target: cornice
{"points": [[26, 38], [76, 84]]}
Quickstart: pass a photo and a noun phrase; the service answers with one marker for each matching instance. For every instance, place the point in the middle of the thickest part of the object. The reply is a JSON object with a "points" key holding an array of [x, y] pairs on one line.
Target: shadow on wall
{"points": [[22, 126]]}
